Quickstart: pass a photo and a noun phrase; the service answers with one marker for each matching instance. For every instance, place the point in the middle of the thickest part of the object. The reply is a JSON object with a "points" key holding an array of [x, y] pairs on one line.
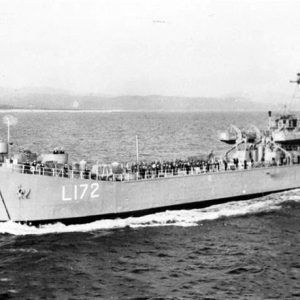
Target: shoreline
{"points": [[27, 110]]}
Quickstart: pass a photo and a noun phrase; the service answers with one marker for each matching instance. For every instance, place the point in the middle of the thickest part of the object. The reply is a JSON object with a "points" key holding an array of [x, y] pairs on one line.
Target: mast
{"points": [[8, 130], [137, 154], [288, 106], [9, 121], [297, 80], [137, 148], [269, 119]]}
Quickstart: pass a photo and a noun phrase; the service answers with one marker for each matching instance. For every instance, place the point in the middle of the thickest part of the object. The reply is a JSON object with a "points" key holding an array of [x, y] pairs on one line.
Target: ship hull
{"points": [[48, 199]]}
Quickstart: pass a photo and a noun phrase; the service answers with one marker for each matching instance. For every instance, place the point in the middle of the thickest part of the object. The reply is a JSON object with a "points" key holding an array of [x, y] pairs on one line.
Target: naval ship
{"points": [[47, 188]]}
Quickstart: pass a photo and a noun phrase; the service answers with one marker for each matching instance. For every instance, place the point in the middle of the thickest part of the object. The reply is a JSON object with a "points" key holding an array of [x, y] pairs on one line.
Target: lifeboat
{"points": [[232, 136], [228, 137]]}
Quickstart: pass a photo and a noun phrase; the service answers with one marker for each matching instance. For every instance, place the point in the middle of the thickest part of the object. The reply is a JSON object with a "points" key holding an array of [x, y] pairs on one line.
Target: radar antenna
{"points": [[296, 91], [296, 81]]}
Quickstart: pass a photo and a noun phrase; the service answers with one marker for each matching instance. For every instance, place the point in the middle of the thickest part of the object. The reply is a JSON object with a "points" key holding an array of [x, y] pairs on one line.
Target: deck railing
{"points": [[125, 176], [88, 174]]}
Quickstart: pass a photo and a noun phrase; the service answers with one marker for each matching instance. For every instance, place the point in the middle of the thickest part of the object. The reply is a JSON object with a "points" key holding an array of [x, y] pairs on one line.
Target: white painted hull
{"points": [[47, 199]]}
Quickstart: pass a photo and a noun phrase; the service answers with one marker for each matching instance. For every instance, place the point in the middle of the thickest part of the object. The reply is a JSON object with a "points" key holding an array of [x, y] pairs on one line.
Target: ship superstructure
{"points": [[276, 146]]}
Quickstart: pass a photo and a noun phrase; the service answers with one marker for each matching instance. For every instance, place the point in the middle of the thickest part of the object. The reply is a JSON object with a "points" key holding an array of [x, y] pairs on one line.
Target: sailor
{"points": [[157, 169], [236, 162], [65, 170], [26, 167], [281, 159], [188, 168], [207, 166], [42, 166], [86, 173], [225, 164]]}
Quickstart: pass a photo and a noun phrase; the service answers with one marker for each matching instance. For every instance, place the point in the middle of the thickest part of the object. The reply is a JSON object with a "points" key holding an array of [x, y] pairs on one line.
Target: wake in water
{"points": [[183, 218]]}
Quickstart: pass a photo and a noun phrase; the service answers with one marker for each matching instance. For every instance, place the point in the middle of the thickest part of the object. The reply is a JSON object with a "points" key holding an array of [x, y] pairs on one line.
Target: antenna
{"points": [[296, 81], [9, 121], [137, 154], [137, 148]]}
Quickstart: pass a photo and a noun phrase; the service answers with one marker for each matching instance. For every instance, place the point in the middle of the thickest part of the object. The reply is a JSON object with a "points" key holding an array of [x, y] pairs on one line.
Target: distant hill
{"points": [[6, 106], [52, 99]]}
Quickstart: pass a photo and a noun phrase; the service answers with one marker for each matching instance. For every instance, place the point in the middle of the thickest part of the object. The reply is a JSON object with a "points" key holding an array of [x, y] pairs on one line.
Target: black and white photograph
{"points": [[150, 149]]}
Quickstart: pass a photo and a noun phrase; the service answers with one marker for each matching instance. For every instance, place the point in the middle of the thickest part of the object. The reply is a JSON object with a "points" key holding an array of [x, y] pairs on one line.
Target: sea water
{"points": [[237, 250]]}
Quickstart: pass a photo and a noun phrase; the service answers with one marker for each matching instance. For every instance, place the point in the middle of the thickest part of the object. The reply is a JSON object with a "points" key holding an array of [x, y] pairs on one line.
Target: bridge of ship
{"points": [[286, 121]]}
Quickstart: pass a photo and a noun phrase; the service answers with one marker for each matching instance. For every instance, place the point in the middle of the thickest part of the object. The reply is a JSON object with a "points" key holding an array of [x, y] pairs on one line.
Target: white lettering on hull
{"points": [[95, 188], [75, 192], [84, 188], [80, 192], [64, 198]]}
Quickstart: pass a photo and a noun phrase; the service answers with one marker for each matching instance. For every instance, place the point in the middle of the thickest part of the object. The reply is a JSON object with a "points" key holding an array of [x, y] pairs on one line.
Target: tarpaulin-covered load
{"points": [[60, 166], [102, 170], [50, 164], [117, 168], [200, 157], [25, 156], [75, 166], [61, 158]]}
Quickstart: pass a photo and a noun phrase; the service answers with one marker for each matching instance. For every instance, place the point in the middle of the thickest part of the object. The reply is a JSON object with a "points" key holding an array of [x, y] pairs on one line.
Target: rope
{"points": [[8, 215]]}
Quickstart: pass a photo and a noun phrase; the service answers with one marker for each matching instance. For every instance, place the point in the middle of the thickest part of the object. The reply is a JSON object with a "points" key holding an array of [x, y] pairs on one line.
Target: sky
{"points": [[134, 47]]}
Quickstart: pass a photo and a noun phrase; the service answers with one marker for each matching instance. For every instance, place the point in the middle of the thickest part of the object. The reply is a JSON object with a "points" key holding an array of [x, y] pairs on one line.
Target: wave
{"points": [[184, 218]]}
